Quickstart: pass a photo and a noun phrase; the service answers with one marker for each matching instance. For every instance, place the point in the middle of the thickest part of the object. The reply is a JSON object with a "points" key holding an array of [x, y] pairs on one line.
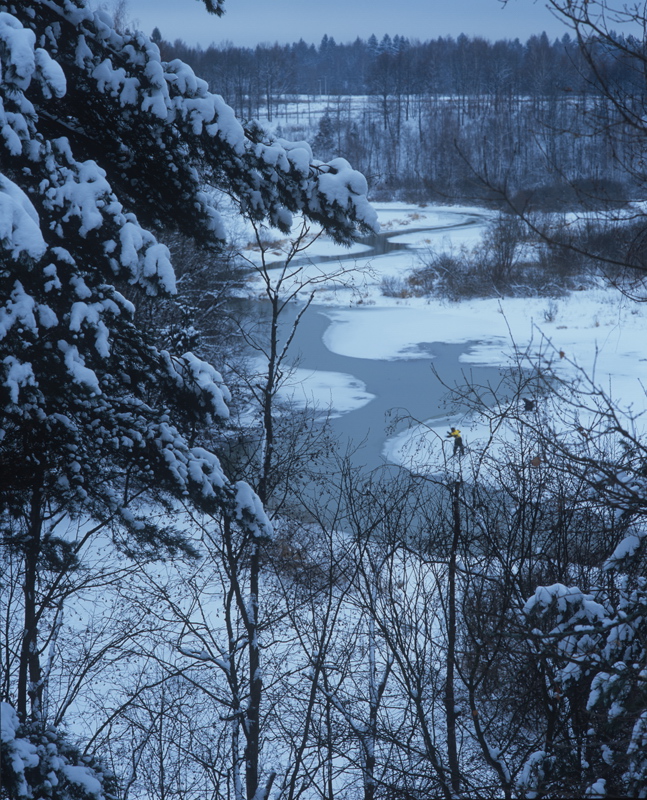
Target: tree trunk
{"points": [[29, 672], [252, 750], [450, 699]]}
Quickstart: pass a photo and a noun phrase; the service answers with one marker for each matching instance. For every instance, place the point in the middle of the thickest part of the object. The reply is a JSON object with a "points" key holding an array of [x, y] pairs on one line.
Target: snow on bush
{"points": [[40, 763]]}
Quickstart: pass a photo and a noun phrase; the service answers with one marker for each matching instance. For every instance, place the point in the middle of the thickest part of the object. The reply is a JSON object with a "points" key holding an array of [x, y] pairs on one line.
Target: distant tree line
{"points": [[443, 66], [441, 119]]}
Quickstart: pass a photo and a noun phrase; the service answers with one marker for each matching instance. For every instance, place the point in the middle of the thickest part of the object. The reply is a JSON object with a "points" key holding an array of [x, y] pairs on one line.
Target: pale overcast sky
{"points": [[248, 22]]}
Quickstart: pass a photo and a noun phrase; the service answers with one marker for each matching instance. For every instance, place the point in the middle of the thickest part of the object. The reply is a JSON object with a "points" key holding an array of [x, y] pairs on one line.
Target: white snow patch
{"points": [[19, 222], [331, 393], [82, 776]]}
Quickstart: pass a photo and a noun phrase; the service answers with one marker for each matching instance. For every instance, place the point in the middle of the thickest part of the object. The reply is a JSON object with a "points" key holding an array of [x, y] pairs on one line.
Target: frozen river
{"points": [[368, 357], [367, 395], [370, 366]]}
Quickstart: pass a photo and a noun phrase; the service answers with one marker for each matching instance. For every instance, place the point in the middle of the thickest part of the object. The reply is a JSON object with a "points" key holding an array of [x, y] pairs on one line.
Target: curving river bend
{"points": [[377, 390]]}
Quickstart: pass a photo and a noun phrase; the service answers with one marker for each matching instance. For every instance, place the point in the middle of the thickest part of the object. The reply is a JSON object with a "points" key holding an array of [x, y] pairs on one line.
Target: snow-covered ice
{"points": [[330, 393]]}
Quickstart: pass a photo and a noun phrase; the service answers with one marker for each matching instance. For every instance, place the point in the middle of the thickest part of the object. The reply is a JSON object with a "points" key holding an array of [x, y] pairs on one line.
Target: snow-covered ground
{"points": [[598, 329]]}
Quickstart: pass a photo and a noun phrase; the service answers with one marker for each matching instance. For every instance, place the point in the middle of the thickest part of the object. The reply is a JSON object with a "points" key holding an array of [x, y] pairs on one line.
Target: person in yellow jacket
{"points": [[459, 447]]}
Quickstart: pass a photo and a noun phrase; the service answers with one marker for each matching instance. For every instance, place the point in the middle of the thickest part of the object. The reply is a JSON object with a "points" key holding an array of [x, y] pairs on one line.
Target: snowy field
{"points": [[597, 330]]}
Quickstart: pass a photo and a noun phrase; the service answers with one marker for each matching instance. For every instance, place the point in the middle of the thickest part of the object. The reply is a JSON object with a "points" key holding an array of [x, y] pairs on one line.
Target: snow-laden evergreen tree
{"points": [[36, 761], [594, 644], [100, 143]]}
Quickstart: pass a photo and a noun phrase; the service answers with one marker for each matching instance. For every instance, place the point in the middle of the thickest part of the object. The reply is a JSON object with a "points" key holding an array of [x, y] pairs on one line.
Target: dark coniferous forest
{"points": [[202, 597]]}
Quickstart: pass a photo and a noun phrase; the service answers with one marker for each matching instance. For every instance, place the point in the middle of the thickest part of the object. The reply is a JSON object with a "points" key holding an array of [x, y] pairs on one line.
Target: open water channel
{"points": [[400, 387]]}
